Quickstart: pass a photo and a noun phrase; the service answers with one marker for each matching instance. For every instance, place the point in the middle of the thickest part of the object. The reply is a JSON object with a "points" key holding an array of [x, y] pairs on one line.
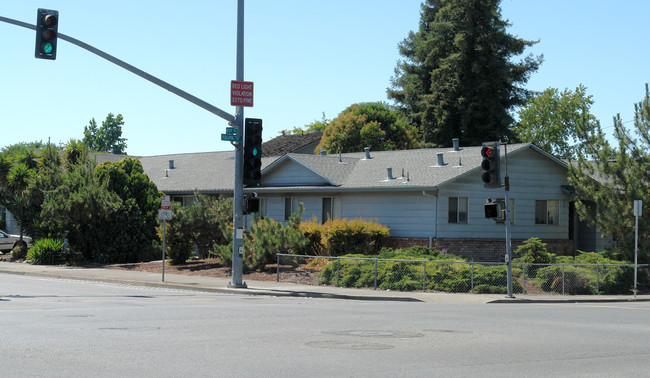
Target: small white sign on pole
{"points": [[165, 214], [638, 208]]}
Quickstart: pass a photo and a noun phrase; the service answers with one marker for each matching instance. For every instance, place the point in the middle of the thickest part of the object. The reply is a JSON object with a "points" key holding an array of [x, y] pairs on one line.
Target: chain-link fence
{"points": [[461, 277]]}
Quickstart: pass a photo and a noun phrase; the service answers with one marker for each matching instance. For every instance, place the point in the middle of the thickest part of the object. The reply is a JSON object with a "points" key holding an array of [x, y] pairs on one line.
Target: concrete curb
{"points": [[219, 285]]}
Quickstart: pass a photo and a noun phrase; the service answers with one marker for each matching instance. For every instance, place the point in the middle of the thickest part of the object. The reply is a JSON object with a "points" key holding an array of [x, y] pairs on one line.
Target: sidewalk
{"points": [[220, 285]]}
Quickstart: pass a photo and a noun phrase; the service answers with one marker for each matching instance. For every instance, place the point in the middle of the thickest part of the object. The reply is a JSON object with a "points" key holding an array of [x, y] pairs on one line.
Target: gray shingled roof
{"points": [[212, 172], [420, 167], [207, 172], [285, 144]]}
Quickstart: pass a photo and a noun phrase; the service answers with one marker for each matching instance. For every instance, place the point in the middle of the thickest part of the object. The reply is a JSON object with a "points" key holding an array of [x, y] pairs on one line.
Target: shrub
{"points": [[576, 280], [223, 253], [342, 236], [533, 251], [313, 231], [494, 279], [415, 252], [179, 246], [46, 251], [19, 252], [268, 237]]}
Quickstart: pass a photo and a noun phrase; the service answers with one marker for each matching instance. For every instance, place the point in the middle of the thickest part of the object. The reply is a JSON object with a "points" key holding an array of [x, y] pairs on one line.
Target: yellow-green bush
{"points": [[342, 236]]}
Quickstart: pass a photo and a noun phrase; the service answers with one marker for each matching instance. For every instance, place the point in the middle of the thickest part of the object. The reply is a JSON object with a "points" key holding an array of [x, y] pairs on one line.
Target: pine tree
{"points": [[612, 177], [456, 79]]}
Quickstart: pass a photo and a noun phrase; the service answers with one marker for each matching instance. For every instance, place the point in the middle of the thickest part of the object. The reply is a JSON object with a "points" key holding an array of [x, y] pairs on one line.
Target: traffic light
{"points": [[491, 165], [47, 24], [251, 205], [252, 151], [493, 209]]}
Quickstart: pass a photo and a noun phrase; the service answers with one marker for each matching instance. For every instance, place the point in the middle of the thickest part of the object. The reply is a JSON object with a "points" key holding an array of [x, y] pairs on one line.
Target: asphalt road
{"points": [[51, 327]]}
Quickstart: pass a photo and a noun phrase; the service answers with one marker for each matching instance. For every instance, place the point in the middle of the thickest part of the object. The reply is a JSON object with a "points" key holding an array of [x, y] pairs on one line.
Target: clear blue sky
{"points": [[305, 58]]}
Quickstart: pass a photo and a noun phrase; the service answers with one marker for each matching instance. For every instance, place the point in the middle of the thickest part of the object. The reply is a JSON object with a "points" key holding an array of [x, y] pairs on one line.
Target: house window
{"points": [[458, 210], [502, 204], [327, 209], [262, 210], [547, 212], [287, 208]]}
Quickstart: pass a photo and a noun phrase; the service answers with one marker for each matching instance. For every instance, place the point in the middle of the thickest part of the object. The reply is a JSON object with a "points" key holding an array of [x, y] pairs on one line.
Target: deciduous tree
{"points": [[372, 124], [553, 120]]}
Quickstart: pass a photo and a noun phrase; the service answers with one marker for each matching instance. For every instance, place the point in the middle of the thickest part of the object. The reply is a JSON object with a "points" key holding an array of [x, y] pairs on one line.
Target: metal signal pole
{"points": [[238, 209]]}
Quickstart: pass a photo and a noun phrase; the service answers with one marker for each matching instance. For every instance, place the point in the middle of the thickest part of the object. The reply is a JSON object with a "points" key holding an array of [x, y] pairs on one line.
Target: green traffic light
{"points": [[47, 48], [255, 152]]}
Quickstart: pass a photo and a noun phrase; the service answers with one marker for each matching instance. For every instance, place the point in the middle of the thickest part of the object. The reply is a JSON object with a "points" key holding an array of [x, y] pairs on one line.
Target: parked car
{"points": [[9, 241]]}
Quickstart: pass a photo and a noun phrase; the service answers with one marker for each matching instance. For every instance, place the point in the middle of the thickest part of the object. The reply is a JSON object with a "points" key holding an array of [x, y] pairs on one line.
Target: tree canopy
{"points": [[372, 124], [107, 137], [457, 79], [317, 126], [554, 120], [613, 176]]}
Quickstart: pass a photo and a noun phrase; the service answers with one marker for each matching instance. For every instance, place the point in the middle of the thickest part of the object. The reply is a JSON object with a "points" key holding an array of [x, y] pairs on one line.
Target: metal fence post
{"points": [[424, 276], [471, 289], [277, 262], [375, 274], [597, 280], [523, 286], [338, 267], [562, 279]]}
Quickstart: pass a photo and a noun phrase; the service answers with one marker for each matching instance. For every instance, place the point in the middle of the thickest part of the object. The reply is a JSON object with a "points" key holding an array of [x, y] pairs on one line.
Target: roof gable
{"points": [[291, 143], [292, 170]]}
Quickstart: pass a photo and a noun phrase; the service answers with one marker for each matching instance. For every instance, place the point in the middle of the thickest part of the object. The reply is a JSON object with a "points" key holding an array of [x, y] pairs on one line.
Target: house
{"points": [[431, 197]]}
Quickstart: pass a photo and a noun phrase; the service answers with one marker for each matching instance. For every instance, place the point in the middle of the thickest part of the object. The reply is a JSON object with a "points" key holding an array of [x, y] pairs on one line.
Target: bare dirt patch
{"points": [[211, 268]]}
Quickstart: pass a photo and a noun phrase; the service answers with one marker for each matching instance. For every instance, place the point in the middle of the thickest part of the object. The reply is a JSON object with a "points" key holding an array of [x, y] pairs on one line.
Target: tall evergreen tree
{"points": [[457, 78]]}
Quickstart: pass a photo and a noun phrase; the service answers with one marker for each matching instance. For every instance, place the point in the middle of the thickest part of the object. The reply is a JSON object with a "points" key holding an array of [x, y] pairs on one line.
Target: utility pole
{"points": [[238, 209]]}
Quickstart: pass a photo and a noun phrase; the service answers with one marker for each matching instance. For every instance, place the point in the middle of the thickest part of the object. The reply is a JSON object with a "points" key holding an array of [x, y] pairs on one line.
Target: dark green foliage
{"points": [[206, 223], [372, 124], [21, 190], [457, 78], [223, 253], [107, 137], [133, 226], [110, 211], [268, 237], [178, 241], [47, 252]]}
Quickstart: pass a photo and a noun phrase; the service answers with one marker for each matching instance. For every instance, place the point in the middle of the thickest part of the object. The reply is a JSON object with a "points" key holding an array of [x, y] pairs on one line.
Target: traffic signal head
{"points": [[47, 24], [491, 165], [251, 205], [252, 151], [491, 210]]}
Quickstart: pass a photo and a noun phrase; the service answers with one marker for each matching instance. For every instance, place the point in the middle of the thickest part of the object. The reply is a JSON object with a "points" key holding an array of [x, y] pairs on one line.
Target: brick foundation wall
{"points": [[482, 250]]}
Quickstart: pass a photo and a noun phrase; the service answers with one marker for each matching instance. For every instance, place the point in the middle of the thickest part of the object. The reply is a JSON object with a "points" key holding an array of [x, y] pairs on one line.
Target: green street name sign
{"points": [[231, 137]]}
